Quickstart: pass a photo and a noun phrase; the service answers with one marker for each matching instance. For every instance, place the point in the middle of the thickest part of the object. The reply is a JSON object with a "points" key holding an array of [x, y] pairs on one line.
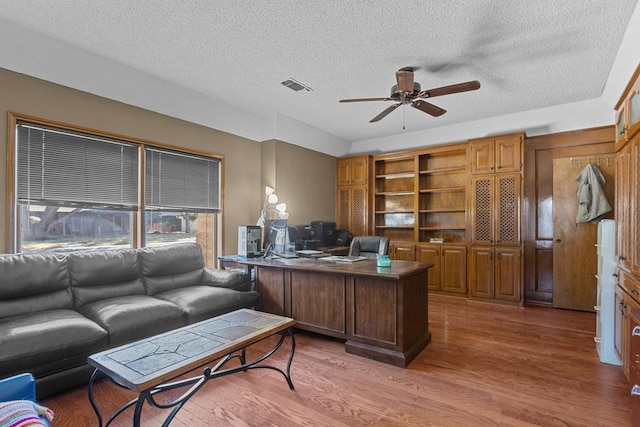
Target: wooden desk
{"points": [[381, 313]]}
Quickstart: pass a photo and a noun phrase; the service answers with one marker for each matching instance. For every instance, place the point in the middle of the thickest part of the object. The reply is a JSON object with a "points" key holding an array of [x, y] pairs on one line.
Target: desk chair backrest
{"points": [[369, 246]]}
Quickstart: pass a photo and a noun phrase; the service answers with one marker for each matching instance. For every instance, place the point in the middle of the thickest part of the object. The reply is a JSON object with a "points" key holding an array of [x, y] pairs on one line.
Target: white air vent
{"points": [[295, 85]]}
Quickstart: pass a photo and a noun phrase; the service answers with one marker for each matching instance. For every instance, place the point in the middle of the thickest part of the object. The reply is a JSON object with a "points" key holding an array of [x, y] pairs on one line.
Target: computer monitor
{"points": [[276, 235]]}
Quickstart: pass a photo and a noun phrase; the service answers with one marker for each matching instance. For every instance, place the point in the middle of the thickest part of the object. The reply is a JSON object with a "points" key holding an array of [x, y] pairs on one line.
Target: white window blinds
{"points": [[63, 168], [181, 182]]}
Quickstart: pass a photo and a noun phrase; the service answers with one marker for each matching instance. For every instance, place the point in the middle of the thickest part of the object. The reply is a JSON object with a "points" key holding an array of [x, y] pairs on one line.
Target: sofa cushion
{"points": [[202, 302], [48, 341], [33, 282], [171, 266], [97, 275], [132, 317]]}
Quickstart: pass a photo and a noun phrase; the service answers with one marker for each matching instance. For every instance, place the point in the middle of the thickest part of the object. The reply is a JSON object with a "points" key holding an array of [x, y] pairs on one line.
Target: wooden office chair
{"points": [[369, 246]]}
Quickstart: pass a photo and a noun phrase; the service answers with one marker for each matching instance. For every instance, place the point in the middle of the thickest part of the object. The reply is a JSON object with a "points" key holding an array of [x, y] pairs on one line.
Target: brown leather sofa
{"points": [[57, 309]]}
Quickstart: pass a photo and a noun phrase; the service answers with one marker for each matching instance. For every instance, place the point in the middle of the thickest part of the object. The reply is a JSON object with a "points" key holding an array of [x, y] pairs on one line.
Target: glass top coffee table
{"points": [[146, 366]]}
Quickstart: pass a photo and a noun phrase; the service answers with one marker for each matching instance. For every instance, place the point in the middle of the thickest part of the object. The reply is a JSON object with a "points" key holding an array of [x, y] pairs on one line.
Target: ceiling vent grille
{"points": [[296, 85]]}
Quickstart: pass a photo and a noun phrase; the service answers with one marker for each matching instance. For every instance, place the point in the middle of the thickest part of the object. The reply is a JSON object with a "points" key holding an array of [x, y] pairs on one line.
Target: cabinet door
{"points": [[431, 255], [507, 209], [623, 215], [618, 324], [482, 156], [633, 106], [482, 200], [508, 152], [359, 170], [508, 274], [343, 172], [352, 210], [403, 251], [481, 272], [453, 266]]}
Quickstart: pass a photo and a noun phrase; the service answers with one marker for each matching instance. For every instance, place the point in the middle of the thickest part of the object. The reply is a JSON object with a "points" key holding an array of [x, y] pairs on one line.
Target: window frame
{"points": [[138, 226]]}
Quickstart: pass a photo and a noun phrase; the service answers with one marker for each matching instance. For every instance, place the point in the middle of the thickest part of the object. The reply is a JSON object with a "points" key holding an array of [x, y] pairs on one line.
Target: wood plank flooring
{"points": [[487, 365]]}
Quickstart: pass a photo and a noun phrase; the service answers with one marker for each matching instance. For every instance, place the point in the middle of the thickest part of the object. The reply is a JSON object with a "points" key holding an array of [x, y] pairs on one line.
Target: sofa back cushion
{"points": [[171, 266], [33, 282], [97, 275]]}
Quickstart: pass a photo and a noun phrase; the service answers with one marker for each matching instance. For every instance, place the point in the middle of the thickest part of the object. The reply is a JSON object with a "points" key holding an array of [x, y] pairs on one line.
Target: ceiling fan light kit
{"points": [[408, 92]]}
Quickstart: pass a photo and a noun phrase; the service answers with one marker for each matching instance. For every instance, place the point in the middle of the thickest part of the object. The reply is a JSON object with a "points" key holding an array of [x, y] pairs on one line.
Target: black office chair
{"points": [[369, 246]]}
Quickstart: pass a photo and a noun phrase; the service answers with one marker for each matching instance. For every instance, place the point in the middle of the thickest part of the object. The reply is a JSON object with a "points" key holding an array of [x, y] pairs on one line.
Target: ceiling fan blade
{"points": [[446, 90], [404, 77], [385, 112], [428, 108], [366, 99]]}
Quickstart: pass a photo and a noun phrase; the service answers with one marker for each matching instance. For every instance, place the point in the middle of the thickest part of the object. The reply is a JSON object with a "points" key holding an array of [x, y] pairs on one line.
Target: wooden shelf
{"points": [[399, 175], [395, 193], [457, 169], [441, 228], [443, 210], [396, 211], [443, 190], [398, 227]]}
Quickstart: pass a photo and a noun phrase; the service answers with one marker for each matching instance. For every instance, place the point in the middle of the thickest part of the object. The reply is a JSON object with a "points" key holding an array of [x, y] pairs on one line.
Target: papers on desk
{"points": [[345, 259]]}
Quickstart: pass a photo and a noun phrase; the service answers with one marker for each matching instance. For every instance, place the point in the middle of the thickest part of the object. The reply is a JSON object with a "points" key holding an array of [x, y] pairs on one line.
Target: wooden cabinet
{"points": [[634, 365], [495, 209], [449, 271], [495, 273], [495, 256], [628, 111], [353, 170], [499, 154], [352, 195]]}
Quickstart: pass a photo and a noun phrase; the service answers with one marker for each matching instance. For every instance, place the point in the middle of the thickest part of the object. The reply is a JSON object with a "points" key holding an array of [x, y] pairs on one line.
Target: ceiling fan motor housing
{"points": [[405, 96]]}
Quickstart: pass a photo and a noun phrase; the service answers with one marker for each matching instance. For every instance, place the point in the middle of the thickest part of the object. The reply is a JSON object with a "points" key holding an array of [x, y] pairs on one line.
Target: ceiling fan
{"points": [[409, 92]]}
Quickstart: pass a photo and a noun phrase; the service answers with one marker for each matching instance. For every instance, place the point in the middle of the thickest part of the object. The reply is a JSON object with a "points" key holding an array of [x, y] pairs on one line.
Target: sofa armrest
{"points": [[230, 279], [18, 387]]}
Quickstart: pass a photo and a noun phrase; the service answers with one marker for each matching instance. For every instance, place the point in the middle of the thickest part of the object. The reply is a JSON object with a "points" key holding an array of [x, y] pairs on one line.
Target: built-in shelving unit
{"points": [[395, 197]]}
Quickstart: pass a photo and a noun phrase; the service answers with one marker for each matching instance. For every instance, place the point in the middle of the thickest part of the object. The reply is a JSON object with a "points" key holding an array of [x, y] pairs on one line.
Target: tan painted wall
{"points": [[243, 189]]}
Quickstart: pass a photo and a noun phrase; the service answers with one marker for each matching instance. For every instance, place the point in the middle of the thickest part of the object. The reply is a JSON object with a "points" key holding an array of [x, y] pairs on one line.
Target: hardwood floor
{"points": [[487, 365]]}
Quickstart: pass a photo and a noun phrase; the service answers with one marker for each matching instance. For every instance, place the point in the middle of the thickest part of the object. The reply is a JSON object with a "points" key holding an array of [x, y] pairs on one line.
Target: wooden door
{"points": [[507, 209], [481, 272], [453, 261], [508, 274], [482, 219], [431, 255], [359, 170], [508, 154], [482, 156], [574, 250], [343, 171]]}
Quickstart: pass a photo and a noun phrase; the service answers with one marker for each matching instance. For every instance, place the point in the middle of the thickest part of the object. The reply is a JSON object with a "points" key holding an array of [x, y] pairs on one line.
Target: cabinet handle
{"points": [[597, 277], [636, 331], [635, 390], [596, 307], [621, 258], [597, 339], [621, 307], [622, 131], [615, 274], [636, 292]]}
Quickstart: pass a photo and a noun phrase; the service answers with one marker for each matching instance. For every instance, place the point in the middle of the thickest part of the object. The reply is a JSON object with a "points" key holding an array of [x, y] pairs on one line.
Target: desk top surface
{"points": [[148, 362], [398, 269]]}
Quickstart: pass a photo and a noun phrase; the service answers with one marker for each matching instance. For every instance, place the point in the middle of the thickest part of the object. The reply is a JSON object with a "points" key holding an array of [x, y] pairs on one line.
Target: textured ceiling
{"points": [[526, 54]]}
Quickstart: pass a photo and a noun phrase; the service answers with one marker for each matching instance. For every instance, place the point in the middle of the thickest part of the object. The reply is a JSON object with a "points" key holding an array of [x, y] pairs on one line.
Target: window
{"points": [[75, 190], [182, 196]]}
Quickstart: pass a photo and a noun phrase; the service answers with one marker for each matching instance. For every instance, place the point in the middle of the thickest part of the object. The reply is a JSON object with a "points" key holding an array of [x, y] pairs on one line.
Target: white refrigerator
{"points": [[605, 308]]}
